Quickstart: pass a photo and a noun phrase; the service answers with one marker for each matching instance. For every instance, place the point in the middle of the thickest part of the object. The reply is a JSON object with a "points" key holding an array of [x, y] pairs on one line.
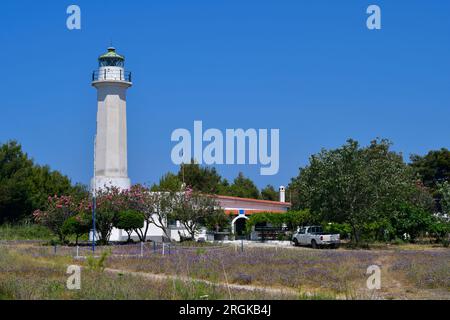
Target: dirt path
{"points": [[229, 286]]}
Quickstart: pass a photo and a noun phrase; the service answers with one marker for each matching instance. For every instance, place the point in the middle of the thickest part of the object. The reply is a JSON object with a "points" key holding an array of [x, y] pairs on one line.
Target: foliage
{"points": [[77, 225], [201, 179], [411, 221], [192, 209], [444, 191], [422, 197], [343, 229], [207, 180], [130, 220], [109, 202], [169, 182], [140, 200], [58, 210], [162, 206], [433, 168], [217, 221], [292, 219], [269, 193], [25, 186], [298, 218], [354, 185], [98, 264], [25, 231], [243, 187]]}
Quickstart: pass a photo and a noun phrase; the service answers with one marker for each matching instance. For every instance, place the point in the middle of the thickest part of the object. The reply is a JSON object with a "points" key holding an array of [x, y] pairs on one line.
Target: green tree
{"points": [[109, 202], [244, 188], [202, 179], [444, 191], [217, 221], [193, 209], [292, 219], [411, 221], [208, 181], [433, 168], [129, 220], [169, 182], [224, 188], [354, 185], [269, 193], [25, 187], [15, 185], [77, 225], [58, 211], [299, 218]]}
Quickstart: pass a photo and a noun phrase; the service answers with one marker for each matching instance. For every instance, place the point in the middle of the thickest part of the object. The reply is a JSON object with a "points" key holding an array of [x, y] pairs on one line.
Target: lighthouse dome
{"points": [[111, 59]]}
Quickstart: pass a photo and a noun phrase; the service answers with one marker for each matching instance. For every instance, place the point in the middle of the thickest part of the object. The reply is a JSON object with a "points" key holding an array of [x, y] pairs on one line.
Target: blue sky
{"points": [[310, 68]]}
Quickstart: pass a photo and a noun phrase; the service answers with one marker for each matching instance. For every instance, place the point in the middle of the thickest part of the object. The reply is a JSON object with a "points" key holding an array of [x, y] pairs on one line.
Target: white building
{"points": [[238, 208]]}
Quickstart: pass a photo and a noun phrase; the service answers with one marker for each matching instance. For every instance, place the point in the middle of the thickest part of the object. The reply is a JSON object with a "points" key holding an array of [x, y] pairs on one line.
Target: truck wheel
{"points": [[295, 242], [314, 244]]}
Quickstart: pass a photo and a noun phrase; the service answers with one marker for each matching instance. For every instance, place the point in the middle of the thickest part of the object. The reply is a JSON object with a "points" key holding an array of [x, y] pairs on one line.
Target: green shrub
{"points": [[129, 220], [29, 231], [98, 264], [292, 219], [343, 229], [77, 226]]}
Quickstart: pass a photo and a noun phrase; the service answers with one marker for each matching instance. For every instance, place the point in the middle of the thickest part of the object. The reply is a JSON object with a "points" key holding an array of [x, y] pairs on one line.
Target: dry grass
{"points": [[410, 272]]}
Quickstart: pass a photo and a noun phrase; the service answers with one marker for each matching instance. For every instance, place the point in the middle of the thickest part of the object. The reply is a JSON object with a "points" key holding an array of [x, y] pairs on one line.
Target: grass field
{"points": [[33, 271], [25, 232], [30, 231]]}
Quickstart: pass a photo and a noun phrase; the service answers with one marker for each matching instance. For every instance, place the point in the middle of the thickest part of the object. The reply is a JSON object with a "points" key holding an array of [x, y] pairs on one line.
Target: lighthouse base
{"points": [[100, 182]]}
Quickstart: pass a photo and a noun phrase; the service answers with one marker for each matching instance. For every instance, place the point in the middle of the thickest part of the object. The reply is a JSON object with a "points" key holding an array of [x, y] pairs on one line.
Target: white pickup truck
{"points": [[315, 237]]}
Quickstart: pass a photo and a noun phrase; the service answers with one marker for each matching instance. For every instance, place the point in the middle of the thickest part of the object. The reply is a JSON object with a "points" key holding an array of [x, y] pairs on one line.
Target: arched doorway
{"points": [[238, 226]]}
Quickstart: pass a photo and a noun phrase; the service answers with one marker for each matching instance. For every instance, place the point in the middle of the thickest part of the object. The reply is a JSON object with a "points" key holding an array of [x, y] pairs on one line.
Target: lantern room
{"points": [[111, 67], [111, 59]]}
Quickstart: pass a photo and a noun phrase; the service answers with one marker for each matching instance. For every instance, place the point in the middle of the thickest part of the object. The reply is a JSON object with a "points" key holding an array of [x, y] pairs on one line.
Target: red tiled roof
{"points": [[249, 212], [285, 204]]}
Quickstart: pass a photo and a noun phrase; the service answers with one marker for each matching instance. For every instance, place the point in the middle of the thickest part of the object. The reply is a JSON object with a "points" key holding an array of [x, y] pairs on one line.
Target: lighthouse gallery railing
{"points": [[115, 75]]}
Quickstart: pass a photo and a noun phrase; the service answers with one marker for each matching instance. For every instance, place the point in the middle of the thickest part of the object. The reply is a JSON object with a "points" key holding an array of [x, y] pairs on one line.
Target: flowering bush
{"points": [[59, 209], [109, 202]]}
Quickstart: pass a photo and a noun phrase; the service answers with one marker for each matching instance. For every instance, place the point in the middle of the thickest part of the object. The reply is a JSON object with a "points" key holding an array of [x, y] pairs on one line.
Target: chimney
{"points": [[282, 194]]}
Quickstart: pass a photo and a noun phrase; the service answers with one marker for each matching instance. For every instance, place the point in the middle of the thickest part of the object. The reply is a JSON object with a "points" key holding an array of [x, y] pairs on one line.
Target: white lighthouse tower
{"points": [[110, 158]]}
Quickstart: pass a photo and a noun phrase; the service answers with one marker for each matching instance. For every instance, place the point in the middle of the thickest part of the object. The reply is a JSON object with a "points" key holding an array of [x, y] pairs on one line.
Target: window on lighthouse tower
{"points": [[111, 62]]}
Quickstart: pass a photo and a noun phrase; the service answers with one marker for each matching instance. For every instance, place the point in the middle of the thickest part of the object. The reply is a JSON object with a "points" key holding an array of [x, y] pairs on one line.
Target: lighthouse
{"points": [[110, 150]]}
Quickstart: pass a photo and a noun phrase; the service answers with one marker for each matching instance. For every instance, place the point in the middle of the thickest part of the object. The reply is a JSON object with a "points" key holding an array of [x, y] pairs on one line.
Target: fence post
{"points": [[54, 247], [163, 248], [142, 249], [154, 246], [78, 251], [169, 248], [242, 245]]}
